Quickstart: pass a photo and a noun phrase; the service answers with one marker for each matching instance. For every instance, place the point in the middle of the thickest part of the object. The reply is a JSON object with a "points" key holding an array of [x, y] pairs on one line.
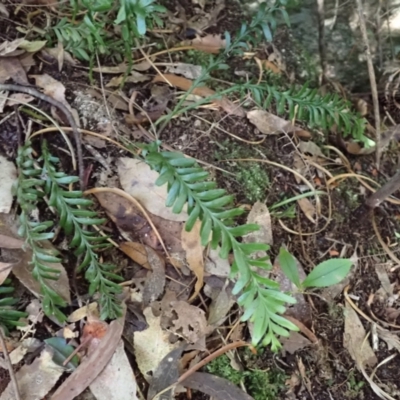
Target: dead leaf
{"points": [[90, 310], [9, 242], [11, 67], [189, 71], [308, 209], [26, 346], [211, 44], [188, 322], [37, 379], [353, 339], [294, 342], [8, 176], [259, 214], [203, 91], [222, 299], [134, 77], [7, 48], [151, 345], [191, 243], [4, 11], [32, 47], [310, 148], [215, 265], [5, 269], [214, 386], [92, 365], [117, 380], [166, 374], [269, 124], [138, 179], [22, 268], [19, 98]]}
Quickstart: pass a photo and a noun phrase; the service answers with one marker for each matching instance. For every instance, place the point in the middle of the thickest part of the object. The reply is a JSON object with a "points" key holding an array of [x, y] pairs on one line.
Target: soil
{"points": [[328, 366]]}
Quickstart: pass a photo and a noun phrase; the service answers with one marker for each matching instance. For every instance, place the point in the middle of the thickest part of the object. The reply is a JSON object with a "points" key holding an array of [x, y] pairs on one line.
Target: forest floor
{"points": [[329, 358]]}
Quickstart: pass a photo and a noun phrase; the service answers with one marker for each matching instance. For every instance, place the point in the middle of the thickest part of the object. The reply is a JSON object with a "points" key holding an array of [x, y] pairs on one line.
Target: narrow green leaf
{"points": [[328, 273], [289, 266]]}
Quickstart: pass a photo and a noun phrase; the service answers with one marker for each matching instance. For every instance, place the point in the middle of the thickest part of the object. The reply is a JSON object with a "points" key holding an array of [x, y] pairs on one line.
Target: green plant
{"points": [[33, 184], [301, 103], [94, 33], [261, 385], [9, 317], [261, 298]]}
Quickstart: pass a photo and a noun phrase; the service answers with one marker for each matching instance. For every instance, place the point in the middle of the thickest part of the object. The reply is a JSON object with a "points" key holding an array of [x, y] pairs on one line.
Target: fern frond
{"points": [[30, 190], [35, 182], [74, 215], [187, 184], [9, 317]]}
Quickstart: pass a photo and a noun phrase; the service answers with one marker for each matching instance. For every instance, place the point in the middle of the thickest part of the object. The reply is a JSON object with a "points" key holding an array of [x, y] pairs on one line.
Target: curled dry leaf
{"points": [[203, 91], [211, 44], [189, 71], [191, 243], [308, 209], [11, 67]]}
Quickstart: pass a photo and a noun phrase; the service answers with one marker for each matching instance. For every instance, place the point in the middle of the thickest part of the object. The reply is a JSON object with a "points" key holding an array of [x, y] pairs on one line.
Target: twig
{"points": [[9, 365], [77, 136], [372, 80], [321, 37]]}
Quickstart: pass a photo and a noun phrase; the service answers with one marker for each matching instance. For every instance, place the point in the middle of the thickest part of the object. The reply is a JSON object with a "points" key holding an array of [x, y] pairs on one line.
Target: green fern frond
{"points": [[187, 184], [9, 317], [305, 104], [35, 182], [74, 215], [29, 191]]}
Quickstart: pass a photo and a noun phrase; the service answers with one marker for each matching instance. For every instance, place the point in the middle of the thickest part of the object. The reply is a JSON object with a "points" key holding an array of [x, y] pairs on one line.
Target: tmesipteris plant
{"points": [[260, 297], [9, 317], [34, 183]]}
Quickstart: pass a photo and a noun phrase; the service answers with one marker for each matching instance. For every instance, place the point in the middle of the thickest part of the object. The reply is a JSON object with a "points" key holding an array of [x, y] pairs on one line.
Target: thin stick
{"points": [[9, 365], [372, 80]]}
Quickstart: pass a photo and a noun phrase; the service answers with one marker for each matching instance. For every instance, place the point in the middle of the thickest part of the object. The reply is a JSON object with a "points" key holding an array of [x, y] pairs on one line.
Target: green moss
{"points": [[262, 385], [252, 177]]}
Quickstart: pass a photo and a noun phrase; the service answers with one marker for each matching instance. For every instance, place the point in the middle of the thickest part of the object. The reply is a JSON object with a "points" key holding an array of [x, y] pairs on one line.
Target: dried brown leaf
{"points": [[191, 243], [308, 209], [211, 44]]}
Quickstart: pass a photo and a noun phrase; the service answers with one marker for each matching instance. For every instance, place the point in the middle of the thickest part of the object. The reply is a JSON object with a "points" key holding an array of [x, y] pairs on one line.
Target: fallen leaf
{"points": [[259, 214], [353, 339], [270, 124], [151, 345], [308, 209], [166, 374], [9, 242], [11, 67], [4, 11], [32, 47], [90, 310], [26, 346], [294, 342], [134, 77], [203, 91], [22, 268], [211, 44], [310, 148], [92, 365], [5, 269], [7, 47], [117, 380], [215, 265], [138, 179], [214, 386], [188, 322], [37, 379], [191, 243], [189, 71], [18, 98], [222, 300], [8, 176]]}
